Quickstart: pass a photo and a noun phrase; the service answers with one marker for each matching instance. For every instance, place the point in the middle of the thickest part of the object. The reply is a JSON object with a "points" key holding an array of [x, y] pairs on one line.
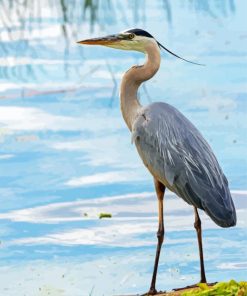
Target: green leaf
{"points": [[105, 215]]}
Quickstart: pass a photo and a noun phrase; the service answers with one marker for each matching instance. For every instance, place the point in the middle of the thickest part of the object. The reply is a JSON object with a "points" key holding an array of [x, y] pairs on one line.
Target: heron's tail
{"points": [[220, 207]]}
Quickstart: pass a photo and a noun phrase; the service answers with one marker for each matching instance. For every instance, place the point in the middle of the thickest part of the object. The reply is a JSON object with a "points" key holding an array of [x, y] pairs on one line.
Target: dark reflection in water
{"points": [[22, 24], [21, 15]]}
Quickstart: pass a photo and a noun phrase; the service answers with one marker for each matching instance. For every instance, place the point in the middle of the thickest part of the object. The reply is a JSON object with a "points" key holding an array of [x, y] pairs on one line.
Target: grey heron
{"points": [[170, 146]]}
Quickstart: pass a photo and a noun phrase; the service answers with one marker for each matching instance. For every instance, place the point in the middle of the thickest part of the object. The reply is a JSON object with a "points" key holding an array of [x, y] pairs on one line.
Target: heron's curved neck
{"points": [[133, 78]]}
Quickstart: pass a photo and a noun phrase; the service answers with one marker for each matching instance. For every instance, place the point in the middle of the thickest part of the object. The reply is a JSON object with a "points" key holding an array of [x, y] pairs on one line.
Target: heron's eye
{"points": [[131, 35]]}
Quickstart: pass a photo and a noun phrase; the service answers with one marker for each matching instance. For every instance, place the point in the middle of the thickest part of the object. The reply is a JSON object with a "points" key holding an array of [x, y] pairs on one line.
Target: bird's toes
{"points": [[152, 292]]}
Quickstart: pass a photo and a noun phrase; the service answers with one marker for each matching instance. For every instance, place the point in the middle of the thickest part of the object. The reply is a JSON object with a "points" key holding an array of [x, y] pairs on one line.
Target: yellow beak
{"points": [[107, 40]]}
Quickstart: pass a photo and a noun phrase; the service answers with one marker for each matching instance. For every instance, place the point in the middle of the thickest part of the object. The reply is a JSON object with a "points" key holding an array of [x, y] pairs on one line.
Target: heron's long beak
{"points": [[107, 40]]}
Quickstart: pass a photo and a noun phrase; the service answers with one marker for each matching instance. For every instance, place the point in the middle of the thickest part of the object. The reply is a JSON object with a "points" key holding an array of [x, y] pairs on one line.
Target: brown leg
{"points": [[160, 190], [198, 228]]}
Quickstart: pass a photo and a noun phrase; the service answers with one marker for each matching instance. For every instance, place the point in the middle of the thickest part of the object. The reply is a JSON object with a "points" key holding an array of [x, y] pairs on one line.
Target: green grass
{"points": [[231, 288]]}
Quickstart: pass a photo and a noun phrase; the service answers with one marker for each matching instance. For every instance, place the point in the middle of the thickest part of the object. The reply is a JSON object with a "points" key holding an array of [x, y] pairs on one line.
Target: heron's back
{"points": [[177, 154]]}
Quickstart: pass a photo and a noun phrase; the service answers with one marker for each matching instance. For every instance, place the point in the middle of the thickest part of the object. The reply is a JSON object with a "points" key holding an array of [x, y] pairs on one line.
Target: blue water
{"points": [[66, 154]]}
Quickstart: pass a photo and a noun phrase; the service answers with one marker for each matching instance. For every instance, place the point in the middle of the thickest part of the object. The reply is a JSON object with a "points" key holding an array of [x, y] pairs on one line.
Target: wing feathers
{"points": [[172, 148]]}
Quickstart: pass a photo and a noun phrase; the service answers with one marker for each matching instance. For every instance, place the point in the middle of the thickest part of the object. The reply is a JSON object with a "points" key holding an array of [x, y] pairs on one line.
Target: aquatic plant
{"points": [[105, 215]]}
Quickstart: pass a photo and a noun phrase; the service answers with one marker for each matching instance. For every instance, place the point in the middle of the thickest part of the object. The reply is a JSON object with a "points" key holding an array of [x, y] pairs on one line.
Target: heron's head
{"points": [[132, 39]]}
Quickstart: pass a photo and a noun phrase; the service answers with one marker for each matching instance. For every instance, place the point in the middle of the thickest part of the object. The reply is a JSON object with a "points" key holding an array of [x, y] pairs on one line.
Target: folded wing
{"points": [[177, 154]]}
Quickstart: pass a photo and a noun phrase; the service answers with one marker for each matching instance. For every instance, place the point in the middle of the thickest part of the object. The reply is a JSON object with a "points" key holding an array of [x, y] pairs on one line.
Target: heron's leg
{"points": [[160, 190], [198, 228]]}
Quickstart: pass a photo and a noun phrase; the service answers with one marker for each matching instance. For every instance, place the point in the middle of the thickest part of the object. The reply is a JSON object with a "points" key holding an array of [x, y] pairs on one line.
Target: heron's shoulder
{"points": [[163, 116], [163, 112], [159, 108], [163, 121]]}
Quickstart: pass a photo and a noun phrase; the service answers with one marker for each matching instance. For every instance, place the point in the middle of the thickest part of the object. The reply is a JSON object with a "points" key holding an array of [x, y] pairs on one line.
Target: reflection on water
{"points": [[96, 12], [23, 24], [66, 155], [25, 20]]}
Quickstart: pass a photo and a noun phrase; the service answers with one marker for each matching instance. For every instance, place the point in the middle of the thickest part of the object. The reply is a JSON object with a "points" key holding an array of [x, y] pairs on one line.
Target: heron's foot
{"points": [[153, 292], [150, 292]]}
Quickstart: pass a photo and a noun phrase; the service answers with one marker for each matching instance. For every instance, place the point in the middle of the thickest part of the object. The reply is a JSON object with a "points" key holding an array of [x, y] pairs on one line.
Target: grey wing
{"points": [[177, 154]]}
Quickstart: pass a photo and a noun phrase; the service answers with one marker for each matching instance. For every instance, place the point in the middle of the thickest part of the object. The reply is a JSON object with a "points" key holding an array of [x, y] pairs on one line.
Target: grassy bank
{"points": [[231, 288]]}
